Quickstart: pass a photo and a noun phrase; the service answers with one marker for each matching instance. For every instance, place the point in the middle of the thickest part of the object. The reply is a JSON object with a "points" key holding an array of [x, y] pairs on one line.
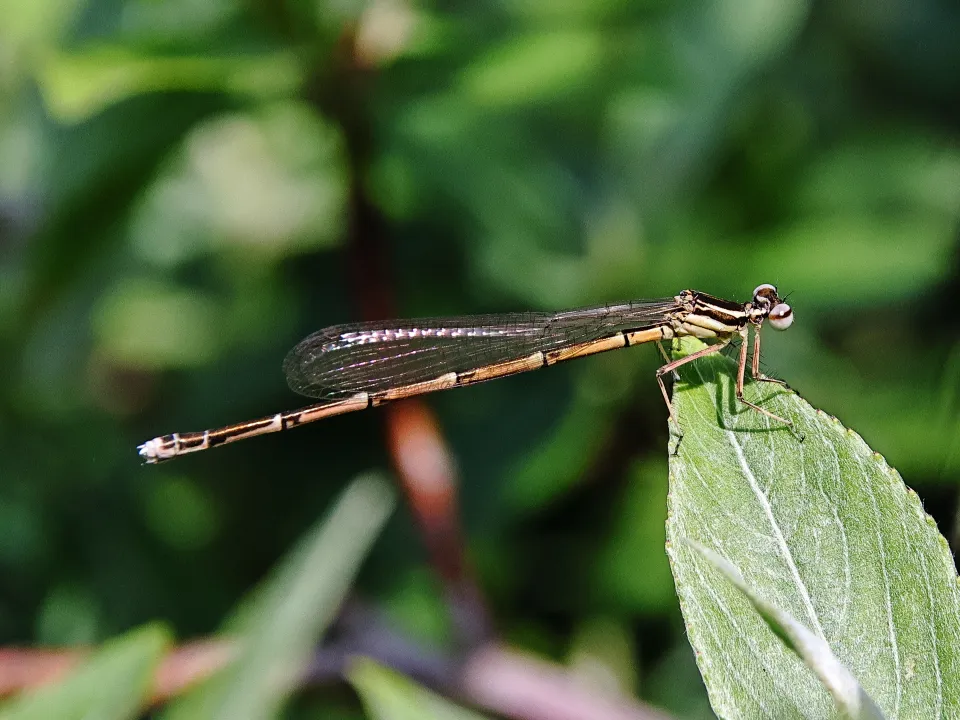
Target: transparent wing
{"points": [[373, 356]]}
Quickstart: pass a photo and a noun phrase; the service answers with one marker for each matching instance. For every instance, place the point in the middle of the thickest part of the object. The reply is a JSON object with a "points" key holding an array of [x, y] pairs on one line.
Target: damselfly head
{"points": [[766, 299]]}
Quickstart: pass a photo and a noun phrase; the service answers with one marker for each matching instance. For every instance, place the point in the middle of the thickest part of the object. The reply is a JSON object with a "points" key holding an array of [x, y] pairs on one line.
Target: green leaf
{"points": [[387, 695], [113, 683], [153, 325], [98, 170], [272, 182], [536, 68], [811, 648], [820, 527], [278, 627], [78, 86]]}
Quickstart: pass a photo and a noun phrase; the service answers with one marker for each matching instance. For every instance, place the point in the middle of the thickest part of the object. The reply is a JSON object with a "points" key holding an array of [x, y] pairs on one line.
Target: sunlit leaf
{"points": [[821, 527], [809, 646]]}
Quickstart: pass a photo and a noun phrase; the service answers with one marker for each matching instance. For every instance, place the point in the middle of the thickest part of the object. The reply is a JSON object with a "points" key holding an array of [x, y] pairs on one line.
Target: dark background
{"points": [[188, 188]]}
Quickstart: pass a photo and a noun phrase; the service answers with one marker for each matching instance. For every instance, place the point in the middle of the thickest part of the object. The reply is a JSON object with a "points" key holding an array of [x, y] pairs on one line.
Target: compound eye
{"points": [[781, 316], [764, 294]]}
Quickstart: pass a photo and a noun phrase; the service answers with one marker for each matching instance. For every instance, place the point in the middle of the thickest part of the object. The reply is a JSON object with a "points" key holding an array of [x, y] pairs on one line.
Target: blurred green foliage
{"points": [[178, 181], [389, 696], [113, 683]]}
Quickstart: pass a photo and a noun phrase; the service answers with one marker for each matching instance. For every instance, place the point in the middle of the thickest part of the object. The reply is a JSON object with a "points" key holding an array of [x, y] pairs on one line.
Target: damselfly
{"points": [[362, 365]]}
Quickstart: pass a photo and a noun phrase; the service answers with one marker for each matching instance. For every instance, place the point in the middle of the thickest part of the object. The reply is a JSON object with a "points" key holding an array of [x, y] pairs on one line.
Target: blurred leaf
{"points": [[28, 27], [264, 185], [559, 463], [678, 669], [948, 415], [915, 39], [873, 245], [278, 627], [148, 325], [113, 683], [70, 615], [145, 23], [822, 528], [23, 535], [387, 695], [810, 647], [577, 11], [536, 68], [631, 570], [791, 256], [638, 120], [180, 512], [603, 657], [751, 31], [97, 169], [884, 173], [78, 86], [416, 604]]}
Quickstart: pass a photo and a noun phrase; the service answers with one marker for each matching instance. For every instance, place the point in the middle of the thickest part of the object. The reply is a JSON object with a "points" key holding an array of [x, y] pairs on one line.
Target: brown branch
{"points": [[24, 669]]}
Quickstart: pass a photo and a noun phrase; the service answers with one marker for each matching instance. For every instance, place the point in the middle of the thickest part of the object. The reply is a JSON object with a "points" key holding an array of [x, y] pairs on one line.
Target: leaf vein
{"points": [[891, 629], [745, 636]]}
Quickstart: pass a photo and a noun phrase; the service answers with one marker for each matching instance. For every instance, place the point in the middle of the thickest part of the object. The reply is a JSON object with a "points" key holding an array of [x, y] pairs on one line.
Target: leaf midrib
{"points": [[775, 526]]}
